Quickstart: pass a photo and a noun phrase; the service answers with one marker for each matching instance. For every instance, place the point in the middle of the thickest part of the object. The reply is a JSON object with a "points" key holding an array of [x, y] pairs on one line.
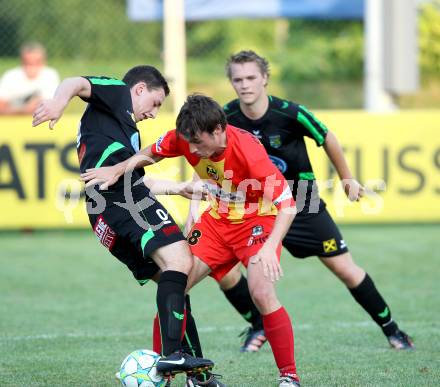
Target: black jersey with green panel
{"points": [[282, 130], [107, 133]]}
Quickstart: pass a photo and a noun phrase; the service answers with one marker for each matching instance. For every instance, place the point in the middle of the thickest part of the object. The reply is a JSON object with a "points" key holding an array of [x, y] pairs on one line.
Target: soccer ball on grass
{"points": [[139, 370]]}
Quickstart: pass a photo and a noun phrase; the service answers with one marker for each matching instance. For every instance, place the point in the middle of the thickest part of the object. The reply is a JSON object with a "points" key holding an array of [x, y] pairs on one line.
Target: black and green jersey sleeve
{"points": [[311, 125], [108, 133], [107, 93]]}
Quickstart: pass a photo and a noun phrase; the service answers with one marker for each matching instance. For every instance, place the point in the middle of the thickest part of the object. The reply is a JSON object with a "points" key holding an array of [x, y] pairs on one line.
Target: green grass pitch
{"points": [[70, 312]]}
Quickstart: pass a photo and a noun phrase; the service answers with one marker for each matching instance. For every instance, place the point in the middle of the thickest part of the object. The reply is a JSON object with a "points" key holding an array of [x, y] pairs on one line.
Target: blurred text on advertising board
{"points": [[397, 156]]}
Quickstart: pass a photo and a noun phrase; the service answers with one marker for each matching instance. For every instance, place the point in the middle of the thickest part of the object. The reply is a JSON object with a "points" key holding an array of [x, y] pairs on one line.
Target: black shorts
{"points": [[314, 235], [132, 233]]}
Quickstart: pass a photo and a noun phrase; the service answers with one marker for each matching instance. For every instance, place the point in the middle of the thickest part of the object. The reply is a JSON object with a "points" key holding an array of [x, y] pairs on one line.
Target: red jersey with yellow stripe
{"points": [[242, 182]]}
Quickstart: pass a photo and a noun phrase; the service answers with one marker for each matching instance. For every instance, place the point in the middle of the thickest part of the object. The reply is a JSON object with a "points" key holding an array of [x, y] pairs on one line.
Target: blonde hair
{"points": [[246, 56]]}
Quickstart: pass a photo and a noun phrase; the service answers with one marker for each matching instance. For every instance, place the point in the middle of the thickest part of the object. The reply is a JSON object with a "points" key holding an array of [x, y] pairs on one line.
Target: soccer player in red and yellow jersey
{"points": [[251, 209]]}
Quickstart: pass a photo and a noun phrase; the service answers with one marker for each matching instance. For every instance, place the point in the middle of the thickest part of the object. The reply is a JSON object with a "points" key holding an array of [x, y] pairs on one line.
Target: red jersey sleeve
{"points": [[274, 186], [168, 145]]}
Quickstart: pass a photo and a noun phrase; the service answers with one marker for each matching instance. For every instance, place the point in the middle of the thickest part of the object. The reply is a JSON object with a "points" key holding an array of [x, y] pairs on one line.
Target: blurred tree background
{"points": [[316, 62]]}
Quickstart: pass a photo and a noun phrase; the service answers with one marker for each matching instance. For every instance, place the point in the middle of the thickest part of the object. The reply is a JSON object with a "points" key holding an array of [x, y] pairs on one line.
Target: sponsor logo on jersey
{"points": [[212, 172], [104, 233], [158, 142], [134, 139], [221, 194], [275, 141], [257, 230], [257, 133], [330, 246], [279, 163], [342, 244]]}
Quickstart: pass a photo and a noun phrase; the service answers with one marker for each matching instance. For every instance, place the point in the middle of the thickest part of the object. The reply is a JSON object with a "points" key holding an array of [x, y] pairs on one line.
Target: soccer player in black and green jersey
{"points": [[147, 239], [281, 126]]}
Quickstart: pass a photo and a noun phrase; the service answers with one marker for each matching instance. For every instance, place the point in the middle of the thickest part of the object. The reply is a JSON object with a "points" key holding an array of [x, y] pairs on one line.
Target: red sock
{"points": [[183, 325], [279, 333], [157, 339]]}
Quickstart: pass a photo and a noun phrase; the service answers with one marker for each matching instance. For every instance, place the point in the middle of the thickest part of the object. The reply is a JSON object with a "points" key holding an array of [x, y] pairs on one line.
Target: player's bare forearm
{"points": [[52, 109], [166, 187], [73, 87], [107, 176], [194, 206], [188, 189], [336, 155], [282, 224], [353, 189], [267, 254], [143, 158]]}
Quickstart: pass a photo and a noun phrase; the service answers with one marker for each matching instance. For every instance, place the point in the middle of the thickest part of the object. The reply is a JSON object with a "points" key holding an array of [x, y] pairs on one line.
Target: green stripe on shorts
{"points": [[146, 237]]}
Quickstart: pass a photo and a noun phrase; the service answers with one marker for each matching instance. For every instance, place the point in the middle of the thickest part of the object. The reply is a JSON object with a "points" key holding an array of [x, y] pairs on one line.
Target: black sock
{"points": [[241, 300], [370, 299], [170, 304], [191, 342]]}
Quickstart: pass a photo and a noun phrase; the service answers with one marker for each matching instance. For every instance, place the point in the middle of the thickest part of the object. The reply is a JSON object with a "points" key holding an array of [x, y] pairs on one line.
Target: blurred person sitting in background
{"points": [[22, 88]]}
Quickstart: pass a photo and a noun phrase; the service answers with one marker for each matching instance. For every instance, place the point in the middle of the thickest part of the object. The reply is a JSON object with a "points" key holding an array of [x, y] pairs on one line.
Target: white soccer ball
{"points": [[139, 370]]}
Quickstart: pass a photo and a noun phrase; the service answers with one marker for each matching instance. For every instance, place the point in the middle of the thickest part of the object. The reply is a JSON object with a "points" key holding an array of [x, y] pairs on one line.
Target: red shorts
{"points": [[222, 245]]}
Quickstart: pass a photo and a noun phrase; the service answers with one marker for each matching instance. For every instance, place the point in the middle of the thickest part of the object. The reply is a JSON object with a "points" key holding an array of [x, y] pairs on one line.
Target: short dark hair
{"points": [[148, 74], [199, 114], [245, 57]]}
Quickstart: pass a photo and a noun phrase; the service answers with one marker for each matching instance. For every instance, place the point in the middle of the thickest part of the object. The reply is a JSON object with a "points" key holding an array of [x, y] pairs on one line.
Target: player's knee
{"points": [[182, 263], [175, 256], [350, 275], [264, 298]]}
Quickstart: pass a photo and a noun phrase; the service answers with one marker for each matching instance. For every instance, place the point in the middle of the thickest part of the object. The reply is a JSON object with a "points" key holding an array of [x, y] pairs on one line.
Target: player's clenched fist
{"points": [[353, 189]]}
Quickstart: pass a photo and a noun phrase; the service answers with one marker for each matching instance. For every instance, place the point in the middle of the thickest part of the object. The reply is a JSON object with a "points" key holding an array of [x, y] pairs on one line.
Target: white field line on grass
{"points": [[335, 326]]}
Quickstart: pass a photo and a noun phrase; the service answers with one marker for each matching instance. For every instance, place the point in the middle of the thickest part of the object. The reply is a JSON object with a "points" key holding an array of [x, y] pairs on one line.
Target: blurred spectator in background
{"points": [[22, 88]]}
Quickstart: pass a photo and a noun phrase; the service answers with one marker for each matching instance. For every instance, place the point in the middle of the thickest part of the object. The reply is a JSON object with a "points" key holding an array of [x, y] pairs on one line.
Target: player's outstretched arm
{"points": [[267, 254], [280, 196], [353, 189], [188, 189], [107, 176], [194, 205], [52, 109]]}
